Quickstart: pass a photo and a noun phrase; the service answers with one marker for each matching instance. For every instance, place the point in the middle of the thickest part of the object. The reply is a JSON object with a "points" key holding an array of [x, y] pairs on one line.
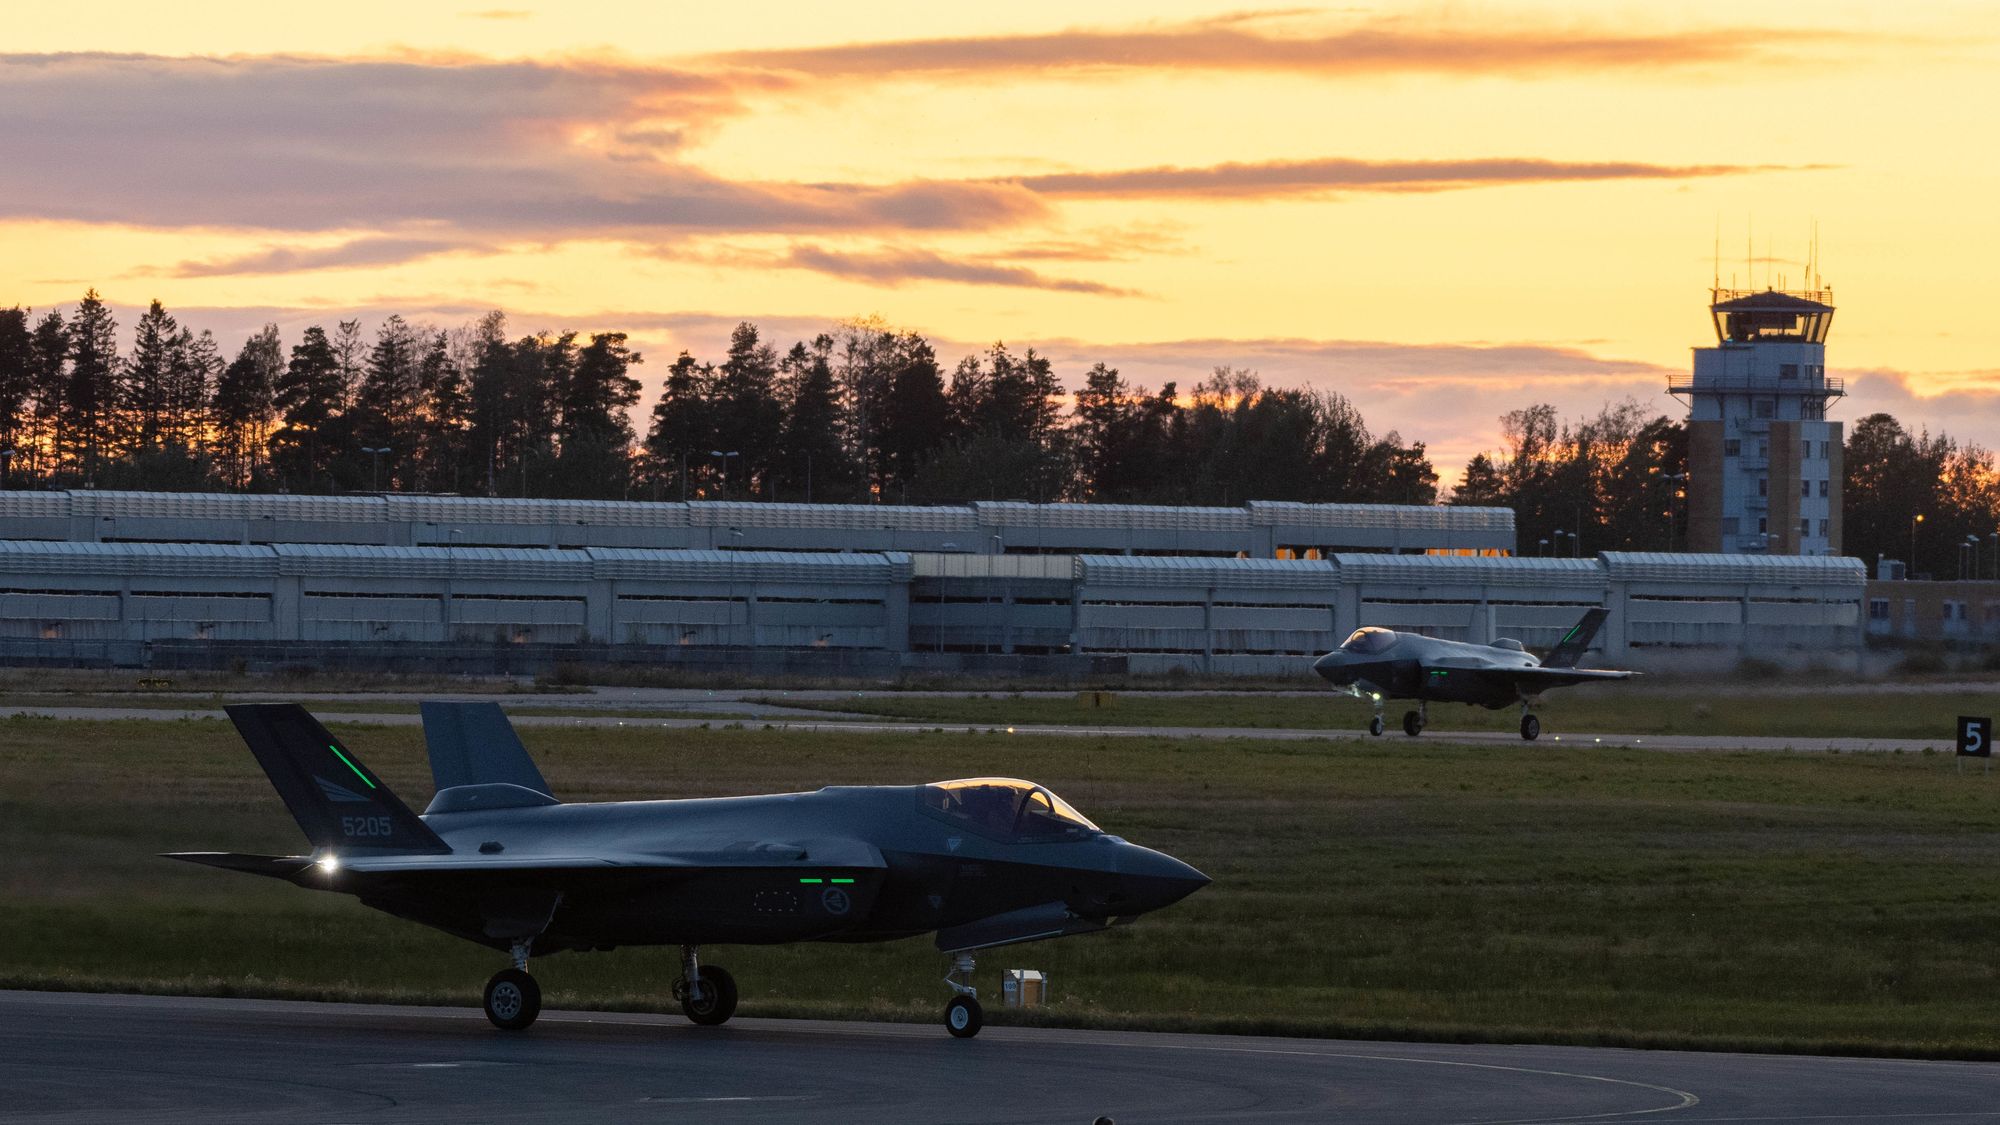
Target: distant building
{"points": [[1764, 464]]}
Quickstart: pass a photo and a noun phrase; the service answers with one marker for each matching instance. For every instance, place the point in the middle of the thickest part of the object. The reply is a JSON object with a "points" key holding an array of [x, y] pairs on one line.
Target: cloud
{"points": [[303, 144], [1296, 177], [1224, 45], [479, 150], [356, 252], [899, 267]]}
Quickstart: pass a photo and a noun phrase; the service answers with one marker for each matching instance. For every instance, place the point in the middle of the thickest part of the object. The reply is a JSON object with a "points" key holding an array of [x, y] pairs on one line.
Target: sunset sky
{"points": [[1443, 211]]}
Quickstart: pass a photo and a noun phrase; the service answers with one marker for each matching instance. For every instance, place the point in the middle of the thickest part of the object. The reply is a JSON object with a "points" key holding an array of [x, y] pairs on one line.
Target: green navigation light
{"points": [[350, 764], [840, 880], [811, 880]]}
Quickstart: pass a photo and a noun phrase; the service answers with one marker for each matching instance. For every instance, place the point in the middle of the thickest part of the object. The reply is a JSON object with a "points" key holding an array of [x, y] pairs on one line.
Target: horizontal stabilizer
{"points": [[474, 744], [276, 866]]}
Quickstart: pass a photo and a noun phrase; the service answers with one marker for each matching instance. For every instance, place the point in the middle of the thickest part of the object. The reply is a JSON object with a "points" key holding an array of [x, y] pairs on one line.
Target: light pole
{"points": [[1995, 553], [1674, 483], [6, 464], [1972, 541], [375, 453], [1545, 547], [722, 464], [1557, 550], [1911, 571]]}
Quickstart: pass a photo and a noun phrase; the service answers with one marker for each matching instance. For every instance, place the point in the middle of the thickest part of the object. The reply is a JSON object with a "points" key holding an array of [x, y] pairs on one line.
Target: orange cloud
{"points": [[1225, 45], [1293, 177]]}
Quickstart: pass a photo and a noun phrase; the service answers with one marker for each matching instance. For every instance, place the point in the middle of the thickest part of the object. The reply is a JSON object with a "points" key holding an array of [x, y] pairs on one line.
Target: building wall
{"points": [[1704, 486], [1223, 616], [1937, 611]]}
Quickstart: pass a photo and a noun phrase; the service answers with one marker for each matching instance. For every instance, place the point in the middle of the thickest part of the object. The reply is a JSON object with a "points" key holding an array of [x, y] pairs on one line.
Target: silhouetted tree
{"points": [[90, 396], [308, 397], [596, 435], [812, 461], [243, 409]]}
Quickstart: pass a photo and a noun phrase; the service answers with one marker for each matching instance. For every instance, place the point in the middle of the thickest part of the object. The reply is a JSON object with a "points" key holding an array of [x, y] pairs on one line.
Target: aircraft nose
{"points": [[1329, 666], [1150, 880]]}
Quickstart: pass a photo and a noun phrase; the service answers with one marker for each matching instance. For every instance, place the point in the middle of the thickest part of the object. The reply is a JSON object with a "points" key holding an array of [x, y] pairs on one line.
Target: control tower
{"points": [[1764, 464]]}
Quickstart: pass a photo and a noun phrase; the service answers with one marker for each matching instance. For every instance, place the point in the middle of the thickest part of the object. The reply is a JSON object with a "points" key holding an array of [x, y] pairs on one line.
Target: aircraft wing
{"points": [[802, 855], [1526, 680]]}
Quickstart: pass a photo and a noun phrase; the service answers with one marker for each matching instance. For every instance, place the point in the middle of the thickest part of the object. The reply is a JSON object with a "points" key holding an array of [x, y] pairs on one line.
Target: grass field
{"points": [[1605, 710], [1560, 894]]}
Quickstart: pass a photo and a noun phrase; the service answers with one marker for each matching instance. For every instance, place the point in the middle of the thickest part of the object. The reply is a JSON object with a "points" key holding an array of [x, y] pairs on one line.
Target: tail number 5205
{"points": [[352, 826]]}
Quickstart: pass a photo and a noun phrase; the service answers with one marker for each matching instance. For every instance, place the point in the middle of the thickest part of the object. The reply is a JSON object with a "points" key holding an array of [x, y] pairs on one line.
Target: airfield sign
{"points": [[1975, 736]]}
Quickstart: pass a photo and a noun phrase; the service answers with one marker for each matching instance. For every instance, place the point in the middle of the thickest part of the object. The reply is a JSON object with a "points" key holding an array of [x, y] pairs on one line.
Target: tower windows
{"points": [[1788, 371], [1732, 447], [1763, 408], [1763, 486]]}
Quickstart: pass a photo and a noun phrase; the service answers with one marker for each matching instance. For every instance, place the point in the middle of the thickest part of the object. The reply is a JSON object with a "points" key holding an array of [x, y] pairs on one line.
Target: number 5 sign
{"points": [[1975, 737]]}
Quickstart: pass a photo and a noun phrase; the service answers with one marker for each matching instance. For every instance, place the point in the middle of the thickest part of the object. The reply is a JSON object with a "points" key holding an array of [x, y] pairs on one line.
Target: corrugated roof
{"points": [[1485, 570], [1691, 567]]}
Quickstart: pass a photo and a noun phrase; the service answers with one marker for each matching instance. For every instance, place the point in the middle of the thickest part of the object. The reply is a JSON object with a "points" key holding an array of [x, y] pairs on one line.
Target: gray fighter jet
{"points": [[1375, 663], [498, 860]]}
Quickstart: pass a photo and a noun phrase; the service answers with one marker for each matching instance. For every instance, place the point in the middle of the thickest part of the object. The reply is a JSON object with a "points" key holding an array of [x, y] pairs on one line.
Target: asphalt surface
{"points": [[73, 1058], [613, 719]]}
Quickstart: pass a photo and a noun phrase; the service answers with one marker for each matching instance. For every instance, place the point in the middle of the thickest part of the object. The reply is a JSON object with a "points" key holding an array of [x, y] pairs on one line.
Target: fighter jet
{"points": [[1375, 663], [497, 859]]}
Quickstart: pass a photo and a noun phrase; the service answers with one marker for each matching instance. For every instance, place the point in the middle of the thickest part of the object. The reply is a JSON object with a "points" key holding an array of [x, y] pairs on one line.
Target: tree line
{"points": [[860, 414]]}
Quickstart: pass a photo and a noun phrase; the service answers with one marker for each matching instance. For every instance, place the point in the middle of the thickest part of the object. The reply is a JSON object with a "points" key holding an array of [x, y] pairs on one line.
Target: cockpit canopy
{"points": [[1006, 807], [1368, 640]]}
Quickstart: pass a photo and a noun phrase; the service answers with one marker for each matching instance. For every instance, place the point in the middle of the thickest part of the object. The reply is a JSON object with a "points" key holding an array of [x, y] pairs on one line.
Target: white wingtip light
{"points": [[329, 864]]}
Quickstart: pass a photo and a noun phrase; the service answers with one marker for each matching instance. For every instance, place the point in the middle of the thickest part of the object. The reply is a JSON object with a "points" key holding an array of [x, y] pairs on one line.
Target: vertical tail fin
{"points": [[338, 801], [474, 744], [1570, 649]]}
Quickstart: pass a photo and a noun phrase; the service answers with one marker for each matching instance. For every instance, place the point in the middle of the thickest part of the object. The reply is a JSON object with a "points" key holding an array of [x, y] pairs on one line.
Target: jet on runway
{"points": [[498, 860], [1376, 663]]}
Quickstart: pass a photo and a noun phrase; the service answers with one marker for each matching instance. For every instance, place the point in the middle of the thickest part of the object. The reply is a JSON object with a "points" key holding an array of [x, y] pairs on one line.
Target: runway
{"points": [[76, 1058], [775, 721]]}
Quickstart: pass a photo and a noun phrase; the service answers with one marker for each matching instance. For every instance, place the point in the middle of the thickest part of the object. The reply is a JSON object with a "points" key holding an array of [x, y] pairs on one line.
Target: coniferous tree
{"points": [[90, 394], [243, 410], [914, 418], [50, 348], [683, 429], [440, 453], [17, 383], [812, 461], [492, 363], [196, 365], [386, 406], [748, 419], [143, 380], [308, 396], [595, 458]]}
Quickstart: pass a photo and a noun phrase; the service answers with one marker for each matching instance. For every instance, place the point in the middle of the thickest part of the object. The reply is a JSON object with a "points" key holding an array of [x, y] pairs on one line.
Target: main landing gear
{"points": [[707, 993], [1531, 727], [963, 1016], [513, 999], [1414, 721]]}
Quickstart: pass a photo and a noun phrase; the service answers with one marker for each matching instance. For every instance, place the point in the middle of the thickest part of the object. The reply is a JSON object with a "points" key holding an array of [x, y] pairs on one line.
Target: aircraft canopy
{"points": [[1006, 807]]}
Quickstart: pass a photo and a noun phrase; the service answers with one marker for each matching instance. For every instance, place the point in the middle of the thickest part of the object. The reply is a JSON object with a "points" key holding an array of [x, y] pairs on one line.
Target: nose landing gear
{"points": [[512, 999], [1531, 727], [963, 1016], [707, 993]]}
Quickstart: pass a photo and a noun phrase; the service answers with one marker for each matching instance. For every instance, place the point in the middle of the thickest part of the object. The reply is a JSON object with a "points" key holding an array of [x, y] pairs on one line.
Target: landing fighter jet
{"points": [[1374, 663], [498, 860]]}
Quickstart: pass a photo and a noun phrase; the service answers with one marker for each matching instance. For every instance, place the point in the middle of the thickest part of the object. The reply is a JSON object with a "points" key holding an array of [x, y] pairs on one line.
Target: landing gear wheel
{"points": [[1375, 726], [963, 1017], [718, 997], [1413, 723], [1531, 727], [513, 999]]}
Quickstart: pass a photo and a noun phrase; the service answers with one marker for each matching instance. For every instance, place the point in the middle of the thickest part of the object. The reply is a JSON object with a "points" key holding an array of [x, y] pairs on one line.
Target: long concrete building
{"points": [[861, 612], [1259, 529]]}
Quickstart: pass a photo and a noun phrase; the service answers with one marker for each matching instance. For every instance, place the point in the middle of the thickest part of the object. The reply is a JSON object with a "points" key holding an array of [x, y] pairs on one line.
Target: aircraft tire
{"points": [[1375, 726], [963, 1017], [1413, 724], [1531, 727], [512, 1000], [718, 1000]]}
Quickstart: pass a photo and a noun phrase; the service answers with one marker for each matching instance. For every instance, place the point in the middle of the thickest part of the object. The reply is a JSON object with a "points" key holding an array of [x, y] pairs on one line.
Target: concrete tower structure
{"points": [[1764, 464]]}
